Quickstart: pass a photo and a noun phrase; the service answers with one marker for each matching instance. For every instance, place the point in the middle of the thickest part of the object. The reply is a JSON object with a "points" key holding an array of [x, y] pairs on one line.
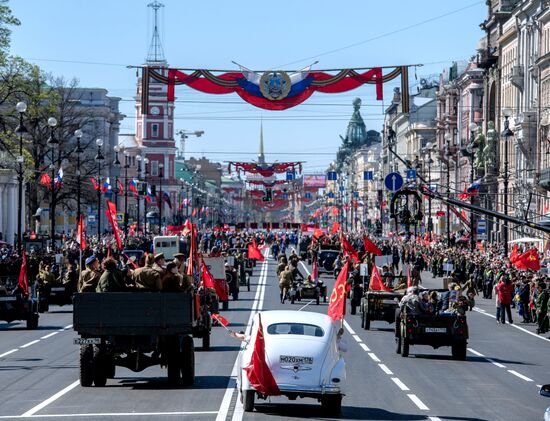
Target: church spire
{"points": [[156, 52], [261, 156]]}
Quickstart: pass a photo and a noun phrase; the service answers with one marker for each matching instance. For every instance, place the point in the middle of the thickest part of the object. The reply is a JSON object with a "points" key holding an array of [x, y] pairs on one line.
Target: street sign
{"points": [[330, 195], [481, 226], [411, 174], [355, 194], [393, 181], [290, 175], [331, 176], [368, 175]]}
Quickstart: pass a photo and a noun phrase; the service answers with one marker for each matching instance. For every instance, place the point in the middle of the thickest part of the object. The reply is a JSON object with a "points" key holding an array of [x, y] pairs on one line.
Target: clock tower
{"points": [[155, 126]]}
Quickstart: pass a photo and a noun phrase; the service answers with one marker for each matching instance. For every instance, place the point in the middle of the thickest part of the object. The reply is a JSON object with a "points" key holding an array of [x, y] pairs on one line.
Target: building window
{"points": [[154, 130], [154, 168]]}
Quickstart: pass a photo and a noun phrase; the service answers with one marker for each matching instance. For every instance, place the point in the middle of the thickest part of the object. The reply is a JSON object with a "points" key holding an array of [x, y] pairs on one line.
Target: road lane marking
{"points": [[11, 351], [473, 351], [348, 327], [232, 382], [480, 311], [499, 365], [521, 376], [30, 343], [51, 399], [112, 414], [68, 327], [400, 384], [49, 335], [364, 346], [418, 402], [435, 419], [385, 369], [357, 338], [374, 357]]}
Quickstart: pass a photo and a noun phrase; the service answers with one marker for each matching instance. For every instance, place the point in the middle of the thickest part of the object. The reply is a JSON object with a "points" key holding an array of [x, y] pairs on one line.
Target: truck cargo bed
{"points": [[132, 313]]}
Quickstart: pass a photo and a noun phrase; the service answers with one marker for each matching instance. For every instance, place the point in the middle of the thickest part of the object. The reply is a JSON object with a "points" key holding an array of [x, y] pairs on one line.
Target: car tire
{"points": [[458, 350], [100, 368], [404, 347], [206, 341], [86, 365], [366, 320], [332, 404], [187, 361], [248, 400]]}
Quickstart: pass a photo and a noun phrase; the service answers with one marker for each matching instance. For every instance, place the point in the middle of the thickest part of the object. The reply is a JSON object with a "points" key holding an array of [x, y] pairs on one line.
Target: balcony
{"points": [[544, 179], [516, 77]]}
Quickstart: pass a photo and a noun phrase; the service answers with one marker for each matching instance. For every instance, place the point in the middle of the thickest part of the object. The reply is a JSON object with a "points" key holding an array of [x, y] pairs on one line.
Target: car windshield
{"points": [[295, 329], [328, 254]]}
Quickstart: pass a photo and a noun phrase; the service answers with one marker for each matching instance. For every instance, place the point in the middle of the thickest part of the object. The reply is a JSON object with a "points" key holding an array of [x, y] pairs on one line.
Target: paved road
{"points": [[498, 381]]}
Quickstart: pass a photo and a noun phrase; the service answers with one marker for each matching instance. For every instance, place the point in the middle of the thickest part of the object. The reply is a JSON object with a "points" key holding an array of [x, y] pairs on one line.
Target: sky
{"points": [[94, 40]]}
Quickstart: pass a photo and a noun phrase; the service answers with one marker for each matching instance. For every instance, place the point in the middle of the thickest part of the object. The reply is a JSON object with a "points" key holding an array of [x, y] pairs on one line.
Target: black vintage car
{"points": [[15, 305], [326, 257], [379, 305]]}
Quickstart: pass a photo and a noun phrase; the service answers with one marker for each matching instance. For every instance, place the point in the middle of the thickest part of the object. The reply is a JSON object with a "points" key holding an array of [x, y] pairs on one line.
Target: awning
{"points": [[526, 240]]}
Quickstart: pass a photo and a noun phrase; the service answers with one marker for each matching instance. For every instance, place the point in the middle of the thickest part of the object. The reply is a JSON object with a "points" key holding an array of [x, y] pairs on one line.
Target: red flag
{"points": [[515, 254], [409, 280], [109, 250], [207, 278], [317, 233], [528, 260], [254, 253], [220, 319], [94, 183], [376, 283], [334, 210], [46, 180], [335, 227], [120, 187], [258, 372], [337, 304], [192, 252], [111, 215], [81, 233], [370, 247], [195, 210], [348, 249], [314, 271], [23, 276]]}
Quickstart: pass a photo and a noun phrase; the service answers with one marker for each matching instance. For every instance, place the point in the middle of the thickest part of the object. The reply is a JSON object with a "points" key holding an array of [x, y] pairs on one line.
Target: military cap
{"points": [[90, 260], [178, 255], [159, 256]]}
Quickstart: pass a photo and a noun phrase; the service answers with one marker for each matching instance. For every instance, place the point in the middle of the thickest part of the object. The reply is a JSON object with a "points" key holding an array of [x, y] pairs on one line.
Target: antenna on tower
{"points": [[155, 53]]}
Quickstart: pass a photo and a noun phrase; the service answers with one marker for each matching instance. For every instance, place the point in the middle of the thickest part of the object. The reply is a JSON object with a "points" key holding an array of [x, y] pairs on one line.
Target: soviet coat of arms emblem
{"points": [[275, 85]]}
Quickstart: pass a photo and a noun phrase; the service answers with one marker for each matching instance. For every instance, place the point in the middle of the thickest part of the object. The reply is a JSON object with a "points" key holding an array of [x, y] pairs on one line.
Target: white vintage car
{"points": [[303, 355]]}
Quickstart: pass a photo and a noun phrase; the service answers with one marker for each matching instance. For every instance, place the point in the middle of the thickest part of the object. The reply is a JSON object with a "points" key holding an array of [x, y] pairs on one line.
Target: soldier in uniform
{"points": [[89, 278], [178, 260], [286, 278], [147, 278], [160, 264]]}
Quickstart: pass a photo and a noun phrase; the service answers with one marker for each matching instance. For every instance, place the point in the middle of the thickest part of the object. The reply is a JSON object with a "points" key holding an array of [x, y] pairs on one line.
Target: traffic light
{"points": [[153, 190], [142, 188]]}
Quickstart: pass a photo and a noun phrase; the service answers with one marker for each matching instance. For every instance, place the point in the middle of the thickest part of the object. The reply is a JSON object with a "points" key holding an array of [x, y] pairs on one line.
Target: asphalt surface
{"points": [[498, 381]]}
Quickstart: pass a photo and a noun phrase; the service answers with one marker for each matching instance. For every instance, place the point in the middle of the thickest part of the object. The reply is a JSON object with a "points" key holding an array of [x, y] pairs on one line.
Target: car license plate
{"points": [[8, 298], [388, 302], [86, 341], [57, 289], [435, 330], [287, 359]]}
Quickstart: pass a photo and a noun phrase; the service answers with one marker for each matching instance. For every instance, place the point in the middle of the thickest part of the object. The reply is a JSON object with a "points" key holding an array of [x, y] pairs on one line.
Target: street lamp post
{"points": [[448, 137], [126, 166], [78, 150], [139, 158], [161, 201], [99, 157], [116, 164], [506, 135], [145, 174], [53, 142], [428, 159], [21, 108], [473, 129]]}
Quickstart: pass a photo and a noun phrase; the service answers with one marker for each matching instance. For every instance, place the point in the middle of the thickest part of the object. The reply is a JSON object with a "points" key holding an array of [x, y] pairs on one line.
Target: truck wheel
{"points": [[405, 347], [332, 404], [225, 305], [187, 361], [458, 350], [206, 341], [366, 320], [248, 400], [100, 368], [32, 321], [86, 365]]}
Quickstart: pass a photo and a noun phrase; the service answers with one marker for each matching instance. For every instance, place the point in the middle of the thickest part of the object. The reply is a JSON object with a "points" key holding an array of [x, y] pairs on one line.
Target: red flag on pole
{"points": [[409, 280], [348, 249], [515, 254], [81, 233], [335, 227], [111, 215], [23, 276], [376, 283], [220, 319], [317, 233], [370, 247], [337, 304], [528, 260], [258, 372], [192, 252], [254, 253], [314, 271]]}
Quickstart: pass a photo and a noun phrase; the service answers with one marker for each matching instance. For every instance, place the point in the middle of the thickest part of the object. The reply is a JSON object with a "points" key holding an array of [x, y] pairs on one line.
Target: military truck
{"points": [[135, 330]]}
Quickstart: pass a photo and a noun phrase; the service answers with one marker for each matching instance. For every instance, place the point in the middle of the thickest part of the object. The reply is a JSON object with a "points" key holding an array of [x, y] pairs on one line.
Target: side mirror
{"points": [[545, 390]]}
